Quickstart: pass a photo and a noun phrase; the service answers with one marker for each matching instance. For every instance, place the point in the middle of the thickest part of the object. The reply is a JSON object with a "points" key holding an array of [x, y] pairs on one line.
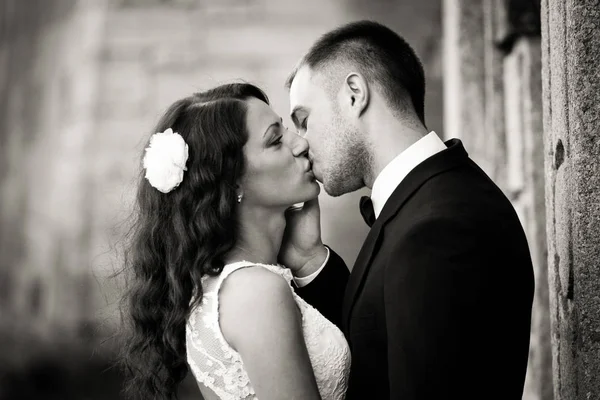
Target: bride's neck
{"points": [[259, 236]]}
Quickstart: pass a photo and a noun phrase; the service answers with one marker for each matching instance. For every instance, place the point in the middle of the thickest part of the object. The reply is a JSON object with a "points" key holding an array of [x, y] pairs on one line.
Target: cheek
{"points": [[274, 172], [317, 135], [327, 138]]}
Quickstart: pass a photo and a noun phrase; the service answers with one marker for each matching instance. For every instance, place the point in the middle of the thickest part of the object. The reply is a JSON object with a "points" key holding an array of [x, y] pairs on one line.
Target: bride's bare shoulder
{"points": [[254, 298]]}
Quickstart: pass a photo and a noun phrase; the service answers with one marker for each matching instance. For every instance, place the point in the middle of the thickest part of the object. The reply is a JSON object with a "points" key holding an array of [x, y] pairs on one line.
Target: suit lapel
{"points": [[452, 157]]}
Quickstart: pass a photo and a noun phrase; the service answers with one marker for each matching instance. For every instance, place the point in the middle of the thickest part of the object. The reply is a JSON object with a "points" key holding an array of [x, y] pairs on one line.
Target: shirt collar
{"points": [[390, 177]]}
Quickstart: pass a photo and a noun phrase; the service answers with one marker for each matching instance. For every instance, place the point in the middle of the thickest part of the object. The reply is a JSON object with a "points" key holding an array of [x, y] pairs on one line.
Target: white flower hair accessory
{"points": [[165, 160]]}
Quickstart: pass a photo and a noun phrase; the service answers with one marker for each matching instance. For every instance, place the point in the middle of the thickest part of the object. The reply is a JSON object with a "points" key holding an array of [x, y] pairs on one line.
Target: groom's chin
{"points": [[339, 188], [330, 191]]}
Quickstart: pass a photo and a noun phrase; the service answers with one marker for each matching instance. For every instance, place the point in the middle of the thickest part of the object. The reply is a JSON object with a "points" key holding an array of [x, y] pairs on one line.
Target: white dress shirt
{"points": [[390, 177]]}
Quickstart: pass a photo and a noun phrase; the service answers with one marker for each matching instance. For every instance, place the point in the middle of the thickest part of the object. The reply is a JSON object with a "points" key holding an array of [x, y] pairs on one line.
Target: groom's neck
{"points": [[388, 137]]}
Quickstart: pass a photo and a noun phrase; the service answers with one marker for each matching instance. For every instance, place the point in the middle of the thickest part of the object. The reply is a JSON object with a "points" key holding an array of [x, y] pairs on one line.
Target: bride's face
{"points": [[278, 172]]}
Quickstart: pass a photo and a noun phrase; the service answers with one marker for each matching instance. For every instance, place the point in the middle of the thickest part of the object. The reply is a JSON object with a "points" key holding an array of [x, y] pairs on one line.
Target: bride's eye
{"points": [[276, 141]]}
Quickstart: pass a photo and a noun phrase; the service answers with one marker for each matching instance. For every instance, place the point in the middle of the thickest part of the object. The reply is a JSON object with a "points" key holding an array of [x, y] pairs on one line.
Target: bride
{"points": [[206, 291]]}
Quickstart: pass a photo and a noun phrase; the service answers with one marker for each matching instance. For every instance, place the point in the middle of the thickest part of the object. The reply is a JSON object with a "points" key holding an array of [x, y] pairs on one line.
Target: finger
{"points": [[311, 205], [294, 209]]}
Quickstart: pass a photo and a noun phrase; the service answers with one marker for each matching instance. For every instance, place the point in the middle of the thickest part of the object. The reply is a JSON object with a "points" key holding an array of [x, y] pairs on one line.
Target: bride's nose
{"points": [[299, 146]]}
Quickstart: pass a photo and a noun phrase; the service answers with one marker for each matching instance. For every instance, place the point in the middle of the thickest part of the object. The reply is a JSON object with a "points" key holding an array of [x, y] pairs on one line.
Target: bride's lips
{"points": [[308, 167], [308, 171]]}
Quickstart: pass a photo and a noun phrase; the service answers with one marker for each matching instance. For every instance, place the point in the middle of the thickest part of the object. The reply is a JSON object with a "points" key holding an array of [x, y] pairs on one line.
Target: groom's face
{"points": [[317, 114]]}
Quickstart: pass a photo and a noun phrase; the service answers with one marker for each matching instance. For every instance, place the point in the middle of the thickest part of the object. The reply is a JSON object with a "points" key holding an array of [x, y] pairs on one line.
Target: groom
{"points": [[438, 304]]}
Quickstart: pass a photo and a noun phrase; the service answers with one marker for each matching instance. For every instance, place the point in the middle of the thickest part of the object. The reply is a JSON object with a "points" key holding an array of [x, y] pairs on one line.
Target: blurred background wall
{"points": [[49, 69], [83, 82]]}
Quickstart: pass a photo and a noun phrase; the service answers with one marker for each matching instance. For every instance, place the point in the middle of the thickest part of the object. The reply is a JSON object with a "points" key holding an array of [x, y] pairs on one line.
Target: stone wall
{"points": [[571, 83], [48, 77]]}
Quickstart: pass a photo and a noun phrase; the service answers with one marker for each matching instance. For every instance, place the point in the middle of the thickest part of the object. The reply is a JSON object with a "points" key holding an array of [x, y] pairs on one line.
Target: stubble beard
{"points": [[349, 167]]}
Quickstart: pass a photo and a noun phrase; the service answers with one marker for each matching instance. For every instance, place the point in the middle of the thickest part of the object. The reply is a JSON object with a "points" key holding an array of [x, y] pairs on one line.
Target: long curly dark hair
{"points": [[178, 237]]}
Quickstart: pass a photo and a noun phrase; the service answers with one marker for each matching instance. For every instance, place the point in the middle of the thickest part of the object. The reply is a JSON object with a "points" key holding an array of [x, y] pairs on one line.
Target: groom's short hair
{"points": [[382, 56]]}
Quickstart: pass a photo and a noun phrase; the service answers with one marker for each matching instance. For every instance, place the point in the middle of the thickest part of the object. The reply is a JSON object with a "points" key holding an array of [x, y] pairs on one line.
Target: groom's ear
{"points": [[356, 93]]}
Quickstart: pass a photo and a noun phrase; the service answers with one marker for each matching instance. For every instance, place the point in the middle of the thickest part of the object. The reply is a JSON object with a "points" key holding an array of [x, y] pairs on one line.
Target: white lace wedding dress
{"points": [[219, 367]]}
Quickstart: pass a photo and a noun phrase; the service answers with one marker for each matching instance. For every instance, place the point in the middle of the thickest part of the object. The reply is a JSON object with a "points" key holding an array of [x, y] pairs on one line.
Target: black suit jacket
{"points": [[438, 304]]}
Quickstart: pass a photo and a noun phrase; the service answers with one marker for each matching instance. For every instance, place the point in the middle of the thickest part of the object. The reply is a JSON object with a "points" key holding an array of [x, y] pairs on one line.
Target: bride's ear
{"points": [[356, 93]]}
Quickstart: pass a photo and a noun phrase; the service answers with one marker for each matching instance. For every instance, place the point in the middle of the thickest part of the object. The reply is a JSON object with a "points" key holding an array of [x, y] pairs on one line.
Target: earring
{"points": [[239, 198]]}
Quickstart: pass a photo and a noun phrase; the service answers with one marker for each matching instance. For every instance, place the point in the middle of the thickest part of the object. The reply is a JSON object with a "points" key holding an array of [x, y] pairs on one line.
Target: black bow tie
{"points": [[366, 210]]}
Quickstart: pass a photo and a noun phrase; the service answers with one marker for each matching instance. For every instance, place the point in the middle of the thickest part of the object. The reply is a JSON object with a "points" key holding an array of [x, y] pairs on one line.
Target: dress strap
{"points": [[280, 270]]}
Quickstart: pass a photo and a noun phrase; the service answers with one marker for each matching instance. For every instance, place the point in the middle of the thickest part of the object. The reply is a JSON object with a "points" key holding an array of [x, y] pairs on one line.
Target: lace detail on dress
{"points": [[220, 368], [328, 351]]}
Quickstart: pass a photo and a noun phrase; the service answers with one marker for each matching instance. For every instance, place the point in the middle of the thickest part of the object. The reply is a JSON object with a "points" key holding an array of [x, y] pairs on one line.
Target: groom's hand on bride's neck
{"points": [[302, 249], [312, 263]]}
